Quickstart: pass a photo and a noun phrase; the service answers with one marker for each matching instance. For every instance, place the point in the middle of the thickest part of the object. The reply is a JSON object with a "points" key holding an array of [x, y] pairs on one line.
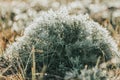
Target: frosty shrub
{"points": [[67, 41]]}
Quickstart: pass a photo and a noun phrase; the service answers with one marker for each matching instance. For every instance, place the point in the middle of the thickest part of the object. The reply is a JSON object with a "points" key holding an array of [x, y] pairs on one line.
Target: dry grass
{"points": [[7, 37]]}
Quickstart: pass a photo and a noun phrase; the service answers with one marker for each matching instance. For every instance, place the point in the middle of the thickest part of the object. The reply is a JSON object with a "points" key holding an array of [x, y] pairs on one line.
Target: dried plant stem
{"points": [[42, 72], [34, 65]]}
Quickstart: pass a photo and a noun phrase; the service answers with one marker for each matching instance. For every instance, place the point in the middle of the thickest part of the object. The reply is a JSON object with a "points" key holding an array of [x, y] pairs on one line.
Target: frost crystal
{"points": [[63, 39]]}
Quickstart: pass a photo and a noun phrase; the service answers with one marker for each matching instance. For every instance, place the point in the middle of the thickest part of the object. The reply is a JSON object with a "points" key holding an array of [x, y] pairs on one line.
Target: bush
{"points": [[67, 41]]}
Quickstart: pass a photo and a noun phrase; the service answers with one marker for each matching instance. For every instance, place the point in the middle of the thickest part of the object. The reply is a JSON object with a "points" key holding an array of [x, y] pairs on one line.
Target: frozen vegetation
{"points": [[68, 43]]}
